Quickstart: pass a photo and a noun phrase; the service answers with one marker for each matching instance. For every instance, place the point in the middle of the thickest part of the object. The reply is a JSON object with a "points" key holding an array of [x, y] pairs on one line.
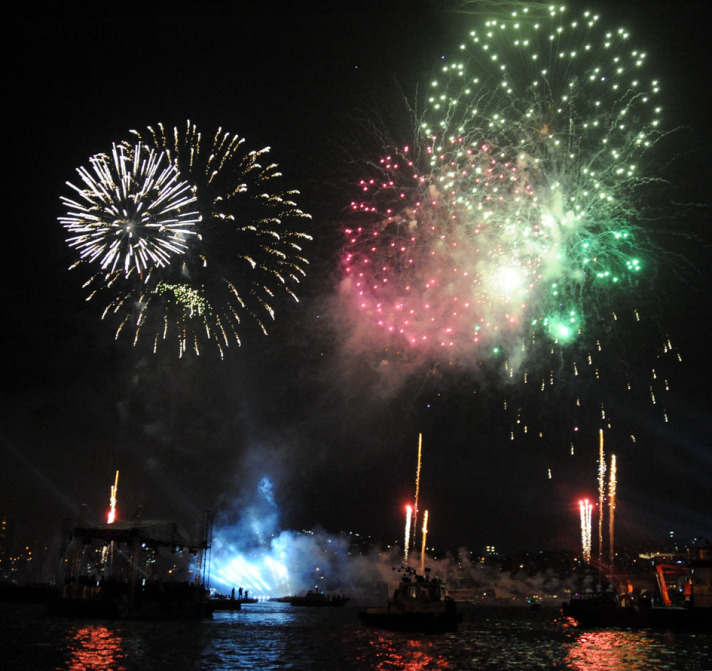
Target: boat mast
{"points": [[207, 542]]}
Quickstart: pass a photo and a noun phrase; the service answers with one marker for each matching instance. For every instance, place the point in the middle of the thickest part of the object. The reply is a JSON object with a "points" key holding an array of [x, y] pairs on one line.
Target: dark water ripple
{"points": [[279, 636]]}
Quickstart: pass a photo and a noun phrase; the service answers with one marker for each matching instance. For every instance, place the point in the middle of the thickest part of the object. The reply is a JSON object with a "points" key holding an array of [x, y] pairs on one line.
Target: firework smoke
{"points": [[509, 238]]}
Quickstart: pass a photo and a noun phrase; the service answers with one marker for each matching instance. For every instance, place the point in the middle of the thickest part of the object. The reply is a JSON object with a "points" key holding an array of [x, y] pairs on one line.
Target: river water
{"points": [[272, 635]]}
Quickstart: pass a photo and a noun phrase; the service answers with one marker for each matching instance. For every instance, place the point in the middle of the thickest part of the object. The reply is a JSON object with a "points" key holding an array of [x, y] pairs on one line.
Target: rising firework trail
{"points": [[601, 494], [612, 483], [417, 489], [585, 509], [510, 237], [406, 540], [422, 550], [187, 240], [111, 517]]}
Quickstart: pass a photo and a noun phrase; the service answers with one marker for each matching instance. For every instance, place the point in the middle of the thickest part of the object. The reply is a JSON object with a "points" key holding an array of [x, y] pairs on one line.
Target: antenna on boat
{"points": [[207, 544]]}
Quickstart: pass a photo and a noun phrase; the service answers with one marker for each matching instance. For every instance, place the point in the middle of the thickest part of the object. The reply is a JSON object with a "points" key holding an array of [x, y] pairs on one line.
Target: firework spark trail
{"points": [[248, 250], [199, 284], [585, 508], [422, 550], [510, 232], [612, 483], [131, 212], [111, 517], [417, 489], [406, 540], [601, 494]]}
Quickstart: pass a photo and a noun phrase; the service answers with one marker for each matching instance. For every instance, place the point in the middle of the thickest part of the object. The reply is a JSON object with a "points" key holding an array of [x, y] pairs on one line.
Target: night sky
{"points": [[337, 437]]}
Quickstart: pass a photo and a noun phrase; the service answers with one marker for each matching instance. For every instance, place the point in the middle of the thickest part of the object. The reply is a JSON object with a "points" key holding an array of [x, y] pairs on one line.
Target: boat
{"points": [[680, 599], [222, 602], [319, 600], [534, 603], [599, 608], [133, 569], [419, 604]]}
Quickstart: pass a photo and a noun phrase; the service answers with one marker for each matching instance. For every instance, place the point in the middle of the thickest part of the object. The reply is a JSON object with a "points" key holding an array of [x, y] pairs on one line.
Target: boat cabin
{"points": [[420, 589]]}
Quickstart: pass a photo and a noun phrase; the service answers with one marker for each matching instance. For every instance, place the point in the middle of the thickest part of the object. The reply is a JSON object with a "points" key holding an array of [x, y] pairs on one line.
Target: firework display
{"points": [[523, 199], [132, 211], [512, 230], [185, 239]]}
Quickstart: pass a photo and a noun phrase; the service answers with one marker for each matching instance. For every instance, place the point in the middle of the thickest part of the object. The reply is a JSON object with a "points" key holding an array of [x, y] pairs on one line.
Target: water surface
{"points": [[273, 635]]}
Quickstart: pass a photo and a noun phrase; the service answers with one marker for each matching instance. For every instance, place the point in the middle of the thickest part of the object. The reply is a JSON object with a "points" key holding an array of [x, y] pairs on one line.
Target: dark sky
{"points": [[338, 443]]}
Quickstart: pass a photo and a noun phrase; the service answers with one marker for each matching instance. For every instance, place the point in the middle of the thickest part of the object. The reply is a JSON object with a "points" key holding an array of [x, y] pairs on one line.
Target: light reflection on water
{"points": [[411, 654], [630, 650], [280, 636], [94, 647]]}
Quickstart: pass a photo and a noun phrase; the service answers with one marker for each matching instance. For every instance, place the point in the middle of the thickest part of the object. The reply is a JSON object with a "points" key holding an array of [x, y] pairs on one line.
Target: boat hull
{"points": [[327, 602], [589, 613], [435, 621], [226, 604], [100, 602]]}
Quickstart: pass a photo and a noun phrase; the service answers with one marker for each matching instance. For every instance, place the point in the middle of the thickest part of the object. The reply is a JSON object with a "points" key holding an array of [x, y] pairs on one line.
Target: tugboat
{"points": [[681, 598], [600, 608], [419, 604], [683, 595]]}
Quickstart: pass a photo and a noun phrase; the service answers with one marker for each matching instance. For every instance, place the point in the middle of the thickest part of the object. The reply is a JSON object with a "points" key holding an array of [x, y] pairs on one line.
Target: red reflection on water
{"points": [[96, 648], [411, 655], [611, 650]]}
